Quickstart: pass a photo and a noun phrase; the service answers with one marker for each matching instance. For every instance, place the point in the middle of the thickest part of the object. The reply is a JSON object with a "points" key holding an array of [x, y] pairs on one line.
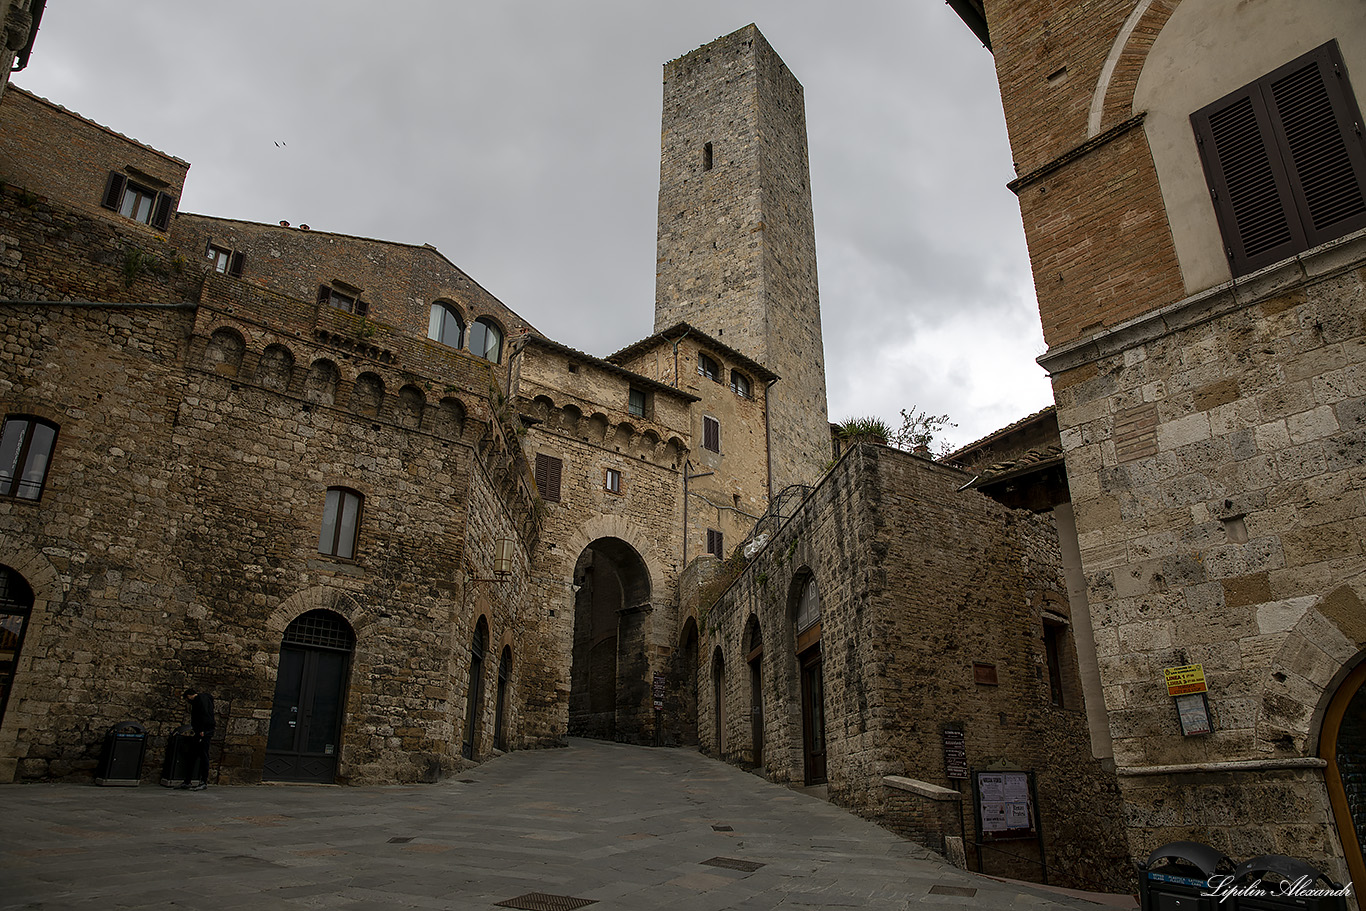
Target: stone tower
{"points": [[737, 242]]}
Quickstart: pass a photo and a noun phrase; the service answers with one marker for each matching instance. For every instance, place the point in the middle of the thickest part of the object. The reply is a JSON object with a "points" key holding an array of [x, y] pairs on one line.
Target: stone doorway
{"points": [[304, 741], [610, 693], [16, 603]]}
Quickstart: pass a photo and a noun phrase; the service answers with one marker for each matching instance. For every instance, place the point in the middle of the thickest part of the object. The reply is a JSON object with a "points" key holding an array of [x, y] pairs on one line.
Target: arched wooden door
{"points": [[1343, 744], [304, 741]]}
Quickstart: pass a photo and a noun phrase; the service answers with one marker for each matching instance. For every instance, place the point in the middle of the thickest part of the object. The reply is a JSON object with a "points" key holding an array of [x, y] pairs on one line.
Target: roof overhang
{"points": [[971, 12]]}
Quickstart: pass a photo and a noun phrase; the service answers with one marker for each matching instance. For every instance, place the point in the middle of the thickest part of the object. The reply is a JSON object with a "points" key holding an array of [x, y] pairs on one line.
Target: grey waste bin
{"points": [[1285, 881], [1177, 873], [179, 756], [121, 759]]}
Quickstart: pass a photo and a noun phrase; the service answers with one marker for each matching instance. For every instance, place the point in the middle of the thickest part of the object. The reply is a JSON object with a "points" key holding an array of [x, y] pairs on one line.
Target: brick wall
{"points": [[58, 155]]}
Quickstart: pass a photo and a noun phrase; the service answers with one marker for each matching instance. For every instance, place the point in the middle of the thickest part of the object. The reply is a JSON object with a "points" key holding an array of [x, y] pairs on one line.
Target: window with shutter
{"points": [[1285, 160], [711, 434], [714, 543], [548, 469]]}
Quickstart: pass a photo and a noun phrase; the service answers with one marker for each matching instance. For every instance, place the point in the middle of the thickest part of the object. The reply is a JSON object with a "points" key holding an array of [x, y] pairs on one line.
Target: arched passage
{"points": [[686, 674], [609, 694], [754, 657], [304, 740], [474, 693], [1342, 743]]}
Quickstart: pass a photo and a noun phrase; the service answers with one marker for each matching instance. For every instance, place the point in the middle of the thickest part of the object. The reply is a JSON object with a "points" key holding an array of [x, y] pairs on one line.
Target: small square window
{"points": [[548, 471], [225, 261], [711, 434], [137, 202], [347, 300], [26, 446], [341, 523], [636, 403], [613, 480]]}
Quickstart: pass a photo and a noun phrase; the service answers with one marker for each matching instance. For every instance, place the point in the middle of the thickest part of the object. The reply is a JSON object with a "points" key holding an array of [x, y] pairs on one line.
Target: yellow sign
{"points": [[1189, 678]]}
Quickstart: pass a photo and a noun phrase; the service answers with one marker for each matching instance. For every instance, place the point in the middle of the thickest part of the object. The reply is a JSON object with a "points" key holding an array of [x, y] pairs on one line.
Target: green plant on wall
{"points": [[137, 263]]}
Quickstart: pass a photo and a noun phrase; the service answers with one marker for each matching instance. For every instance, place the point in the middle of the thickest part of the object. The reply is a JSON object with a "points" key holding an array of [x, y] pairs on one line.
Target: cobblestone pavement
{"points": [[627, 827]]}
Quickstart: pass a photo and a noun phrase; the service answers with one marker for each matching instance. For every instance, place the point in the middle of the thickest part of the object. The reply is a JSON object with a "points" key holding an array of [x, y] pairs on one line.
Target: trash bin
{"points": [[121, 759], [1177, 873], [1285, 881], [179, 755]]}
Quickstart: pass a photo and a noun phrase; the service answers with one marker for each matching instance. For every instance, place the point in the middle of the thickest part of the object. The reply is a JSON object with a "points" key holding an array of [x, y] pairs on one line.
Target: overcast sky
{"points": [[521, 138]]}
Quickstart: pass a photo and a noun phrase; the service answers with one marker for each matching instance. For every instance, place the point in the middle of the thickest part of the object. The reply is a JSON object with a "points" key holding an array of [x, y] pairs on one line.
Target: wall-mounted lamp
{"points": [[503, 552]]}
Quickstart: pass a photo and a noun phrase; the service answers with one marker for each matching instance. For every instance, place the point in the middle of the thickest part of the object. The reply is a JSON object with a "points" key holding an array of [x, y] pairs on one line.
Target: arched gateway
{"points": [[610, 678]]}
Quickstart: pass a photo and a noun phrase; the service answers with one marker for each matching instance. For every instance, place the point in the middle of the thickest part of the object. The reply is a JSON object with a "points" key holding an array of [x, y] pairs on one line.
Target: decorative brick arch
{"points": [[319, 598], [1319, 651], [1112, 100]]}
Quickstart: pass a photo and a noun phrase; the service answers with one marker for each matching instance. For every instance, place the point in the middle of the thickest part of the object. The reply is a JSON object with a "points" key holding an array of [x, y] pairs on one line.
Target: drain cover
{"points": [[964, 891], [401, 839], [731, 863], [722, 829], [540, 901]]}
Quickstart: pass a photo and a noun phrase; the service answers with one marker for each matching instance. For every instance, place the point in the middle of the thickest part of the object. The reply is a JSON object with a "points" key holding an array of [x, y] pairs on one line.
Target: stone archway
{"points": [[610, 682]]}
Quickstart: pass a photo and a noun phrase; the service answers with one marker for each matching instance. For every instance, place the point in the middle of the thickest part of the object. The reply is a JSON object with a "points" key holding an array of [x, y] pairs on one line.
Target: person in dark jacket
{"points": [[201, 719]]}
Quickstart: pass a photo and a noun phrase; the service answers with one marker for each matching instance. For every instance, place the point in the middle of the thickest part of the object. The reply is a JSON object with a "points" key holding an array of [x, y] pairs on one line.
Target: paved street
{"points": [[627, 827]]}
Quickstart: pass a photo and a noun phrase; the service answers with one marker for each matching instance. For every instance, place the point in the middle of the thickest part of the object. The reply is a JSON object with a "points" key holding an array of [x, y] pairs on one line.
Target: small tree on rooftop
{"points": [[919, 432]]}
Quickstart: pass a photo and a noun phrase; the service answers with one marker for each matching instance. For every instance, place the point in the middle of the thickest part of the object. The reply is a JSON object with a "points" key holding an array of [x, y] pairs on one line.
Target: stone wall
{"points": [[58, 155], [920, 584], [177, 535], [398, 282]]}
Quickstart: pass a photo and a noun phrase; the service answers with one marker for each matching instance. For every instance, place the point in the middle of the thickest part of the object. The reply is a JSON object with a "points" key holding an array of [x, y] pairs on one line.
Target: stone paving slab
{"points": [[628, 827]]}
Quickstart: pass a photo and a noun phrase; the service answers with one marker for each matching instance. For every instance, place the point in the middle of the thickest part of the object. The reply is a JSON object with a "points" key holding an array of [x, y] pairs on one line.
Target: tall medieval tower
{"points": [[737, 242]]}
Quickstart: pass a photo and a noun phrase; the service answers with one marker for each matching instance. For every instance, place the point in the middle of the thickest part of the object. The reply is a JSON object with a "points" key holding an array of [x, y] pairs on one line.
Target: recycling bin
{"points": [[1176, 874], [121, 759], [179, 757], [1288, 884]]}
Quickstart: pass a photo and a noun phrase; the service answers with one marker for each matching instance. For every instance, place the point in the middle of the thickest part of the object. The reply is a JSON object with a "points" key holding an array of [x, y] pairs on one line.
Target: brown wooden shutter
{"points": [[1285, 160], [1312, 105], [235, 263], [324, 295], [362, 308], [714, 542], [113, 190], [711, 434], [1248, 181], [548, 470], [161, 215]]}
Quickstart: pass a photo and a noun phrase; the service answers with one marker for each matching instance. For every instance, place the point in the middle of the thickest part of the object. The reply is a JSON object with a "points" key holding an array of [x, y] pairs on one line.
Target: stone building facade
{"points": [[916, 607], [373, 478], [1193, 187], [396, 529]]}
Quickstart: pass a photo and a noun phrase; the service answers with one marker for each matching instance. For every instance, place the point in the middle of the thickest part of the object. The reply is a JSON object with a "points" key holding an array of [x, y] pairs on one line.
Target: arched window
{"points": [[808, 605], [500, 719], [739, 384], [26, 445], [446, 326], [486, 340], [341, 523], [475, 695], [708, 367]]}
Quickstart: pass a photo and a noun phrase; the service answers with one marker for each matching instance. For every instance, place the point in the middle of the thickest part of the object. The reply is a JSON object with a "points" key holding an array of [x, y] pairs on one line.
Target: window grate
{"points": [[320, 629]]}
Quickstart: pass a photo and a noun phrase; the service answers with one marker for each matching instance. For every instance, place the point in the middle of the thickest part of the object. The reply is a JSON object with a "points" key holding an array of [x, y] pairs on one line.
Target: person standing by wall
{"points": [[201, 719]]}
